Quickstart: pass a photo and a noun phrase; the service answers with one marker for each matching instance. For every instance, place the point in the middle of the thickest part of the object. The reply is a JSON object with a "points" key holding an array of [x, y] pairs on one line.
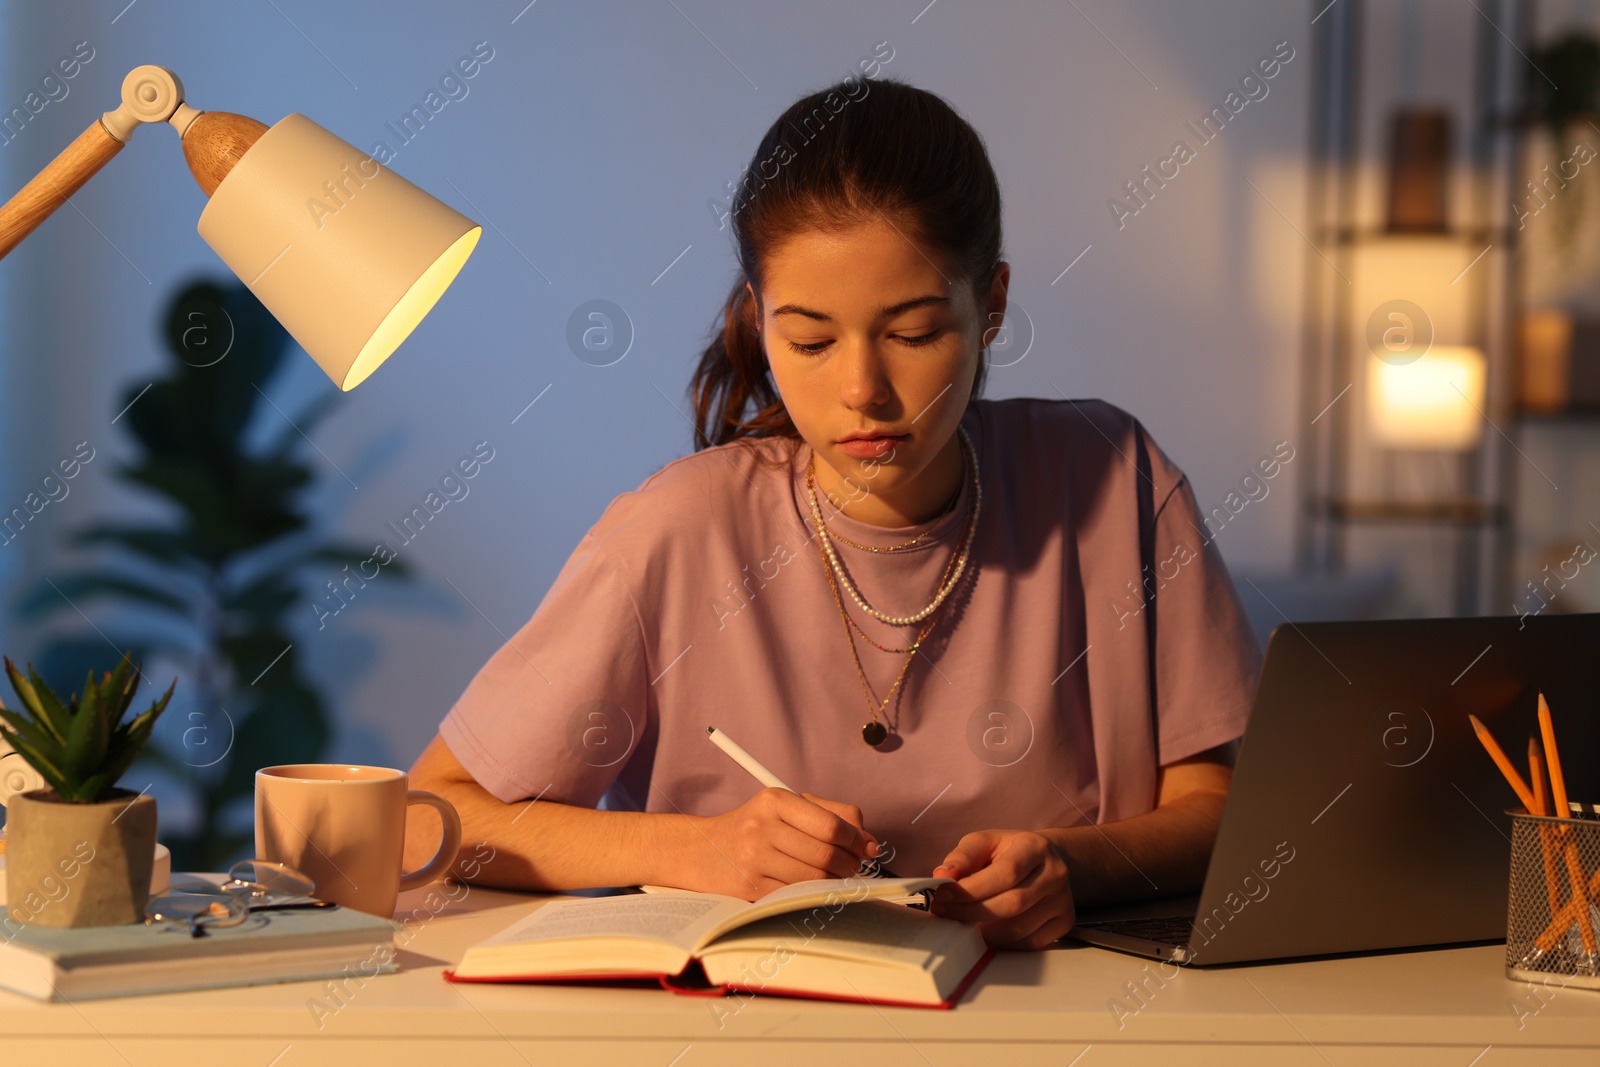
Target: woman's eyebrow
{"points": [[882, 313]]}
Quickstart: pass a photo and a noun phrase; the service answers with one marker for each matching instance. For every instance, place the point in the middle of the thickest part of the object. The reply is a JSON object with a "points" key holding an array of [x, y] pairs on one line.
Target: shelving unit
{"points": [[1475, 514]]}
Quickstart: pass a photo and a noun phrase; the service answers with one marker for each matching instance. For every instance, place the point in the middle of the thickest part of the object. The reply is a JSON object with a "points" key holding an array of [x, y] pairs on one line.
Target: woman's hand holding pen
{"points": [[778, 837], [1013, 883]]}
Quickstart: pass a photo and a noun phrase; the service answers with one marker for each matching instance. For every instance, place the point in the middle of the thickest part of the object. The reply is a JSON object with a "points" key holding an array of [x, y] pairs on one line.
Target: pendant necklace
{"points": [[875, 732]]}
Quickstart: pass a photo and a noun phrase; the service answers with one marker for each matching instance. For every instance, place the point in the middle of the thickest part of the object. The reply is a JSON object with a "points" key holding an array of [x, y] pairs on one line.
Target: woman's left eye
{"points": [[921, 339]]}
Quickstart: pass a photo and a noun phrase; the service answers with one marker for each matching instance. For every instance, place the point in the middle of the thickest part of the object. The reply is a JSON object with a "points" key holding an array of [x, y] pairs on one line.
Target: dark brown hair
{"points": [[858, 150]]}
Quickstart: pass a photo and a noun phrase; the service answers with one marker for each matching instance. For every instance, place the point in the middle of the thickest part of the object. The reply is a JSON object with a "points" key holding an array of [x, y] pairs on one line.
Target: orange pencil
{"points": [[1558, 784], [1558, 789], [1580, 900], [1533, 806], [1536, 781], [1552, 877], [1499, 757], [1569, 912]]}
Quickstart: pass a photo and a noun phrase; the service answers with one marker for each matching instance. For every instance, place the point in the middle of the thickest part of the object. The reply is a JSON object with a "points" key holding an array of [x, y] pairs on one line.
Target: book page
{"points": [[872, 950], [827, 894], [679, 918], [872, 928]]}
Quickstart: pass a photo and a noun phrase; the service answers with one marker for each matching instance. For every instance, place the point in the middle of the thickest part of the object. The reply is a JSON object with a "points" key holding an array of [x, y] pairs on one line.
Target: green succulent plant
{"points": [[81, 748]]}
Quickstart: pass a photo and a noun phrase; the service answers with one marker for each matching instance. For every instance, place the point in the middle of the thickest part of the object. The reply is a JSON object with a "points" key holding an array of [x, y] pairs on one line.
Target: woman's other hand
{"points": [[1012, 883]]}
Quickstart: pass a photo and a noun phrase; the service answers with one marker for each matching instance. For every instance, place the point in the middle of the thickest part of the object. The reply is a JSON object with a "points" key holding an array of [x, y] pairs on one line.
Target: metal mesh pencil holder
{"points": [[1553, 907]]}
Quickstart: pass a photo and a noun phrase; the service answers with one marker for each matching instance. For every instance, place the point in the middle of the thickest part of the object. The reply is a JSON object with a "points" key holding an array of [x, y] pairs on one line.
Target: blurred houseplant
{"points": [[224, 578], [1563, 93], [1564, 82], [79, 852]]}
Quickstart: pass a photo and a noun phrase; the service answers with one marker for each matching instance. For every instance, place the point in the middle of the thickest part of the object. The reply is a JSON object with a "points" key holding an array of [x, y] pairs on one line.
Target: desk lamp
{"points": [[346, 254]]}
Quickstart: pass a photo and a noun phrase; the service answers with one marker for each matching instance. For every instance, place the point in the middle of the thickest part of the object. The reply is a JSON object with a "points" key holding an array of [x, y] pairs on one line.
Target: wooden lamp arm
{"points": [[51, 187], [212, 143]]}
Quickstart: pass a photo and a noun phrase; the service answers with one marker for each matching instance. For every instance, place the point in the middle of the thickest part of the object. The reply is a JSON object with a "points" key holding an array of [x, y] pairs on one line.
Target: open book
{"points": [[836, 938]]}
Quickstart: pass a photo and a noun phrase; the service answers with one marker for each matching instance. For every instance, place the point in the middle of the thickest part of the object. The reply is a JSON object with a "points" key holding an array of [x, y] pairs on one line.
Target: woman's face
{"points": [[865, 335]]}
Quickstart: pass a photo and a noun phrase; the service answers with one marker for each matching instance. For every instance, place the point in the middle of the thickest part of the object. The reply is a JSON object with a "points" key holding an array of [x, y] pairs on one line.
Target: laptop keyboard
{"points": [[1166, 930]]}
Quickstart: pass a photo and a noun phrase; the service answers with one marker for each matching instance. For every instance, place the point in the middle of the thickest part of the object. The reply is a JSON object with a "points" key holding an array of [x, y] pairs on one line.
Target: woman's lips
{"points": [[870, 447]]}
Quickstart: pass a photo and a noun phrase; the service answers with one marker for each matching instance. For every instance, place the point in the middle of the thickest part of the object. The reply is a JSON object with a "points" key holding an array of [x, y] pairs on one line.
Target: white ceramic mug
{"points": [[344, 825]]}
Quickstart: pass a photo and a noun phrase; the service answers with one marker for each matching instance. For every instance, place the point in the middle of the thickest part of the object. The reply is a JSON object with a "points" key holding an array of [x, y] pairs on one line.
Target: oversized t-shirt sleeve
{"points": [[559, 709], [1205, 652]]}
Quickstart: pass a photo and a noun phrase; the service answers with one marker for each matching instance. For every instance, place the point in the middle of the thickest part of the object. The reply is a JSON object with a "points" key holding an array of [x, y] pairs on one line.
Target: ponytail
{"points": [[732, 377]]}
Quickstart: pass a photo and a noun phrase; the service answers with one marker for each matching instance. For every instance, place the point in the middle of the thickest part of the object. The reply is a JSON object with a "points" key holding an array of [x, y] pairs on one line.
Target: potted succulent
{"points": [[79, 852]]}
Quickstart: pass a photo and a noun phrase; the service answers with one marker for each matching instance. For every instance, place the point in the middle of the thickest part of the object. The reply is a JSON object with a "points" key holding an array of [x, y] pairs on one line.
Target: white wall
{"points": [[589, 145]]}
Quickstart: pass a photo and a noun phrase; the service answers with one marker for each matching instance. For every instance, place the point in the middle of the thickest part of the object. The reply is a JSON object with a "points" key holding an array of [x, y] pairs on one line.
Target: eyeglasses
{"points": [[251, 885]]}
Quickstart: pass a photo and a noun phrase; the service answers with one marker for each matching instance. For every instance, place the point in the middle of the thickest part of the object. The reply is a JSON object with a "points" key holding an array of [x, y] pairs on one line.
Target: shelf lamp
{"points": [[1432, 402], [346, 254]]}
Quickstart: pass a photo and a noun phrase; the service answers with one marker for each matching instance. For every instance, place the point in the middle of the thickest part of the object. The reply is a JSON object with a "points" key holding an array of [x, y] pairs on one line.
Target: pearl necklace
{"points": [[962, 555]]}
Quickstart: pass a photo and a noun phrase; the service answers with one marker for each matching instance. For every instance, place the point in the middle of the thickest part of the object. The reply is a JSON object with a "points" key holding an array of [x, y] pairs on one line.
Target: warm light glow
{"points": [[1418, 269], [1435, 402], [411, 309]]}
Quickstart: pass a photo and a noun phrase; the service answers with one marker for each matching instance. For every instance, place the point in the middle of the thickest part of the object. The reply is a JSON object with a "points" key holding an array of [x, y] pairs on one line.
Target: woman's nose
{"points": [[864, 382]]}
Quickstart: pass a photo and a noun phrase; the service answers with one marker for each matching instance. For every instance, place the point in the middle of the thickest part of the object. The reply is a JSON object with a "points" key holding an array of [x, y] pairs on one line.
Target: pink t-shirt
{"points": [[1094, 637]]}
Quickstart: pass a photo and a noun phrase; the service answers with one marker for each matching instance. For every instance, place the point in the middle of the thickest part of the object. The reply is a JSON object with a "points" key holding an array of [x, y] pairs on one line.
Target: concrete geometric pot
{"points": [[79, 864]]}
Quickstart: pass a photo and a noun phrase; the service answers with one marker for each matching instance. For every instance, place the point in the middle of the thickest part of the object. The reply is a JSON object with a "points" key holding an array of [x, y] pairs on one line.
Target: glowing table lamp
{"points": [[1433, 402], [346, 254]]}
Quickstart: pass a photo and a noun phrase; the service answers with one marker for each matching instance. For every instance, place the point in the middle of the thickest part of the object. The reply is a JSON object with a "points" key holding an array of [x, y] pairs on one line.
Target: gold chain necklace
{"points": [[893, 547], [875, 733], [902, 546]]}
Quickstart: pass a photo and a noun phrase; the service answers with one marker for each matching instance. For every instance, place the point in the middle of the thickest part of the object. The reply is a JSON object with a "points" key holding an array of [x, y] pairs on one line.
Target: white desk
{"points": [[1412, 1008]]}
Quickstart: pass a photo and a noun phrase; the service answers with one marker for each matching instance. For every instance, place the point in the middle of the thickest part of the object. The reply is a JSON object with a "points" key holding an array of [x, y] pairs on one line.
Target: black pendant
{"points": [[874, 733]]}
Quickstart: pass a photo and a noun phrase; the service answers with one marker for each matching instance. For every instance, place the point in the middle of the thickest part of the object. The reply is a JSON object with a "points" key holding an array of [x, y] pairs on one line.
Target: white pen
{"points": [[745, 760], [767, 778]]}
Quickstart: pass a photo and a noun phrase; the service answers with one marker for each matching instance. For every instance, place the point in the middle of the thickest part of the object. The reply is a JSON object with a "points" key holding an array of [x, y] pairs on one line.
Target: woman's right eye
{"points": [[810, 349]]}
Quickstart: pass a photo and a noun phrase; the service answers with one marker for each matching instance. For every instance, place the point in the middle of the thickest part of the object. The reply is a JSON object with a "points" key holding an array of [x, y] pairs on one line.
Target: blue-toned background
{"points": [[594, 147]]}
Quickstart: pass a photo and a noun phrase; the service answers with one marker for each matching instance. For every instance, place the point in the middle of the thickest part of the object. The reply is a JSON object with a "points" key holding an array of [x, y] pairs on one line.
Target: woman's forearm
{"points": [[1163, 852], [547, 846], [552, 847]]}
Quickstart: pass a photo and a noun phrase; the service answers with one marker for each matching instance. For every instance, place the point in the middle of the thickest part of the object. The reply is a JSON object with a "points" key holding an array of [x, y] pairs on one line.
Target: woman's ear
{"points": [[995, 306]]}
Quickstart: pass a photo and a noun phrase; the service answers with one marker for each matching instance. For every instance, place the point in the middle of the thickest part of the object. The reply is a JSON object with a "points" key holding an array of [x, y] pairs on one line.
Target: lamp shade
{"points": [[345, 253], [1432, 402]]}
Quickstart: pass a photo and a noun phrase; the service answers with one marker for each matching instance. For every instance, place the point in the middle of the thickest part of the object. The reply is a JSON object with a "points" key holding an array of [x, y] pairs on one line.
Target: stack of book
{"points": [[91, 962]]}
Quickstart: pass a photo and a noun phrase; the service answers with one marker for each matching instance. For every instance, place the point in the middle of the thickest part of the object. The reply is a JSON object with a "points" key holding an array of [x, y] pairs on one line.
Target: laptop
{"points": [[1364, 814]]}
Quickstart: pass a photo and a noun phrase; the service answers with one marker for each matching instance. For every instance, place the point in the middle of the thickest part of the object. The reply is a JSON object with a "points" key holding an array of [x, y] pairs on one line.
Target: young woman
{"points": [[984, 639]]}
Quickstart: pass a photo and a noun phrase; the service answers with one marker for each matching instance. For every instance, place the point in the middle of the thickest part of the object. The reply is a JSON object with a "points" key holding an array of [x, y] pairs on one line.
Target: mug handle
{"points": [[448, 847]]}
